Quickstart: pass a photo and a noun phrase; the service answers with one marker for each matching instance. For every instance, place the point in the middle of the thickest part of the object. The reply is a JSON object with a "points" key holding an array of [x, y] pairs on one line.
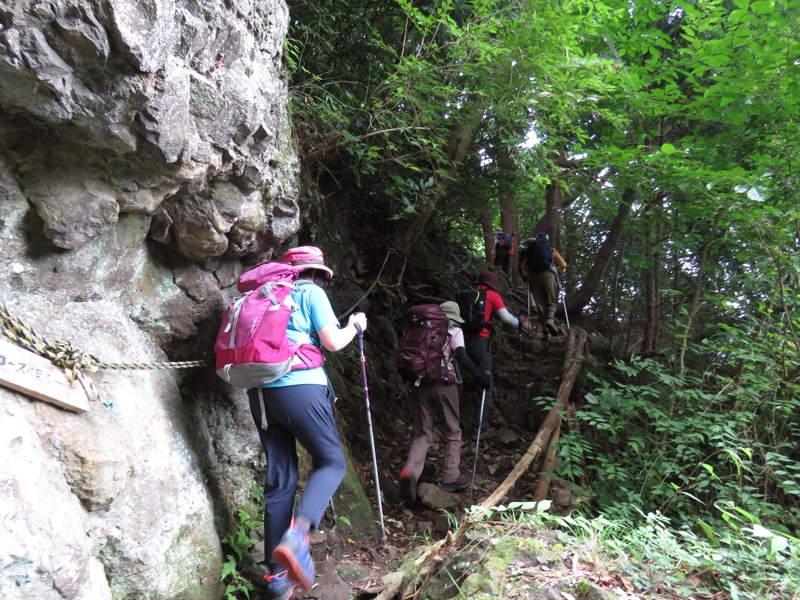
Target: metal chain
{"points": [[62, 354]]}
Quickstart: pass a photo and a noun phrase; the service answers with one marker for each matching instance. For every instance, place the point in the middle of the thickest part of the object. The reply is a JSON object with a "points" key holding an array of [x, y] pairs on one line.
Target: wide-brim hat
{"points": [[306, 257], [489, 279], [452, 311]]}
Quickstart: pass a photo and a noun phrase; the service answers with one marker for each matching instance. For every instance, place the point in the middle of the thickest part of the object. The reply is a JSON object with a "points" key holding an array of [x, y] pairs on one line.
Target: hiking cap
{"points": [[452, 311], [306, 257], [543, 236], [499, 230], [489, 279]]}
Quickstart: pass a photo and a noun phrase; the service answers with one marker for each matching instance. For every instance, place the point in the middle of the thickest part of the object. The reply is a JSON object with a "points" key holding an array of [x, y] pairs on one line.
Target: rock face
{"points": [[173, 110], [144, 145]]}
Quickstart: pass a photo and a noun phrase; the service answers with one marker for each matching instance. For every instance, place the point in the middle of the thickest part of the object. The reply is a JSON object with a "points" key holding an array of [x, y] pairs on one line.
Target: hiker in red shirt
{"points": [[479, 348]]}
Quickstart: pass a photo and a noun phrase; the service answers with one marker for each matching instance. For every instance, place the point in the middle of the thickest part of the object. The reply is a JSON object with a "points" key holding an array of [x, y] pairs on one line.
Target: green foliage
{"points": [[238, 545], [684, 112], [654, 442], [407, 75], [737, 556], [236, 586], [240, 541]]}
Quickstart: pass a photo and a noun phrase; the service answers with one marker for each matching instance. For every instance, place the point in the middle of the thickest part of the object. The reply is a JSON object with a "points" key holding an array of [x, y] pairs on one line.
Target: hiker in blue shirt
{"points": [[298, 407]]}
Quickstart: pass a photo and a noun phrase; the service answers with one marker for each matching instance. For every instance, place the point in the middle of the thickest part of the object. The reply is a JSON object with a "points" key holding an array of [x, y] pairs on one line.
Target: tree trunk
{"points": [[555, 203], [546, 476], [551, 223], [683, 339], [409, 229], [488, 233], [653, 228], [578, 300], [508, 206]]}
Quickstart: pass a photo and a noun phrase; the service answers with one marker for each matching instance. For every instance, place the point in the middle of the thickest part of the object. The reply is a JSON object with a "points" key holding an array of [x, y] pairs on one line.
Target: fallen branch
{"points": [[572, 366], [546, 476], [425, 563]]}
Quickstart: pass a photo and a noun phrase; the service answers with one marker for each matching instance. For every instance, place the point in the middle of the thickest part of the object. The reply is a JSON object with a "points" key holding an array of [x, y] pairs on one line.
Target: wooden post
{"points": [[546, 474]]}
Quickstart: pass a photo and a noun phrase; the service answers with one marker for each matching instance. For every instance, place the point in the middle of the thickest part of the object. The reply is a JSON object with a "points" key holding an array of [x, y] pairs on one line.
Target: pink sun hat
{"points": [[306, 257]]}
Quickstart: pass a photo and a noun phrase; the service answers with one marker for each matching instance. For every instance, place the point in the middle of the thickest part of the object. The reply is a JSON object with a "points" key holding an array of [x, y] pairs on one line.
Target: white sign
{"points": [[36, 376]]}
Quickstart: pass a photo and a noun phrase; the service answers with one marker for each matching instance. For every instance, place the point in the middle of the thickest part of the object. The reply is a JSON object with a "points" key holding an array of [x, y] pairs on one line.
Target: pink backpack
{"points": [[251, 347]]}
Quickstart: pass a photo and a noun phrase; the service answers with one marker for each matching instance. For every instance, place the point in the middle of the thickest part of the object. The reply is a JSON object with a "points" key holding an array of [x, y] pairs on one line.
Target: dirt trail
{"points": [[354, 569]]}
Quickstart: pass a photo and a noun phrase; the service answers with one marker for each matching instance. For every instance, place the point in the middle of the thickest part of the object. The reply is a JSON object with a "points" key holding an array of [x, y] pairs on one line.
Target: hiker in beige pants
{"points": [[428, 398]]}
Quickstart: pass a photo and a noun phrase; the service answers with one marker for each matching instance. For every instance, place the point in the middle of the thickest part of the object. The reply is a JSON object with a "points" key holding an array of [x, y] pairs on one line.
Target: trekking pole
{"points": [[529, 301], [369, 420], [334, 399], [532, 301], [333, 510], [477, 447], [562, 295]]}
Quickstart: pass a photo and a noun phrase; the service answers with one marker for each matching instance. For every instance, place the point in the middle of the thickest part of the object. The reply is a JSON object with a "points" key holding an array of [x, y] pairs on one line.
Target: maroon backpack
{"points": [[421, 356]]}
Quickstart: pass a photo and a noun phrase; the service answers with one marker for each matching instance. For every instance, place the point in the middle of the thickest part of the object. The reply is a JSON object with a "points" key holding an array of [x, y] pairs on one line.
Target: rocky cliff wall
{"points": [[144, 146]]}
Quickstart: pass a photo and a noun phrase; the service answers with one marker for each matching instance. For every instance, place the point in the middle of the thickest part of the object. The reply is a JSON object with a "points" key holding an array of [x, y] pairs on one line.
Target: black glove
{"points": [[485, 380]]}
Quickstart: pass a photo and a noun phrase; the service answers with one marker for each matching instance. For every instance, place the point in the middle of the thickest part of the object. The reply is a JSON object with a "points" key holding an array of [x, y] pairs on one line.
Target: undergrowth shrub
{"points": [[738, 557], [238, 546], [650, 442]]}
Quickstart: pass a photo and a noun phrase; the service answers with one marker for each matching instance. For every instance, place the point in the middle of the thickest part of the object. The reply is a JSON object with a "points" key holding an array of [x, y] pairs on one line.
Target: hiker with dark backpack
{"points": [[542, 263], [477, 307], [428, 349], [297, 407], [503, 249]]}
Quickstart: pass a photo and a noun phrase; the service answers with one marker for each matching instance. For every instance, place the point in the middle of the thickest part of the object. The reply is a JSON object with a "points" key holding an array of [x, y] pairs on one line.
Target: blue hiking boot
{"points": [[293, 553], [279, 586]]}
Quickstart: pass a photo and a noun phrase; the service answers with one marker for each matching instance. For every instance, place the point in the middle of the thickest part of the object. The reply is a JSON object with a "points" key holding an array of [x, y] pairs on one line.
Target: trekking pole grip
{"points": [[360, 333]]}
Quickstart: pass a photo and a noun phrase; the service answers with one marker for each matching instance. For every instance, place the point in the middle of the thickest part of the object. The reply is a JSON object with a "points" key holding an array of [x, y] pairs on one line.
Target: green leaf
{"points": [[709, 531], [710, 469], [668, 149], [763, 7]]}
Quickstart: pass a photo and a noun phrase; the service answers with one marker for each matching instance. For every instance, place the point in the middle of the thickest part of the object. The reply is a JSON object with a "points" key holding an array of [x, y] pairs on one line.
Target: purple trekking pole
{"points": [[369, 420]]}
